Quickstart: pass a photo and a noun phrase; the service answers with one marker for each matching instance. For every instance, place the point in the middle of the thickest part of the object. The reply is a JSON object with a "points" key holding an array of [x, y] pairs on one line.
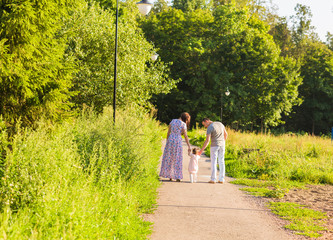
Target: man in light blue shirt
{"points": [[218, 135]]}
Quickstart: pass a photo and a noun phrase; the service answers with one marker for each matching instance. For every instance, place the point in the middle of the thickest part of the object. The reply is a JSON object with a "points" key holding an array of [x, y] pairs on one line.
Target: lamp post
{"points": [[144, 8], [227, 93]]}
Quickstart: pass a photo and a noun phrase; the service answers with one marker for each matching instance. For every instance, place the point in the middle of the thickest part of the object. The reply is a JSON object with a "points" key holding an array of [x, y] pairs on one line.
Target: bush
{"points": [[87, 180]]}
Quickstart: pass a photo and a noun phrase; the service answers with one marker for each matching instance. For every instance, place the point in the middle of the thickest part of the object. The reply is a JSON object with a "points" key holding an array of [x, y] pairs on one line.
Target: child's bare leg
{"points": [[195, 177]]}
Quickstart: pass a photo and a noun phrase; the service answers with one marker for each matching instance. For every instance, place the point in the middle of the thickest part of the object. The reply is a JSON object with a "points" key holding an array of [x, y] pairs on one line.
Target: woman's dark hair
{"points": [[186, 118]]}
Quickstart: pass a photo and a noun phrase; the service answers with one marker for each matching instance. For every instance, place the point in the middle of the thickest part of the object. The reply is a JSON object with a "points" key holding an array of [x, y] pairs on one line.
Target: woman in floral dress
{"points": [[172, 162]]}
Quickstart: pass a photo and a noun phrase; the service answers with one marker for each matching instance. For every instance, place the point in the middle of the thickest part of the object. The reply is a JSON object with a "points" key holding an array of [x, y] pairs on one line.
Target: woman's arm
{"points": [[169, 130], [187, 142]]}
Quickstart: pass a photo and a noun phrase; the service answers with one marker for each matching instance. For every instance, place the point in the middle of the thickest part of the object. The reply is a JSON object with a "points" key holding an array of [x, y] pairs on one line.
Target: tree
{"points": [[224, 48], [180, 37], [302, 30], [264, 85], [190, 5], [34, 75], [329, 39], [92, 47], [282, 36], [316, 112], [160, 6]]}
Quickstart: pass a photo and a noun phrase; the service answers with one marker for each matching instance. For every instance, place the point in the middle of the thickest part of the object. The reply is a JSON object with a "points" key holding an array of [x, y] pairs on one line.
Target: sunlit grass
{"points": [[86, 179], [303, 221], [286, 157]]}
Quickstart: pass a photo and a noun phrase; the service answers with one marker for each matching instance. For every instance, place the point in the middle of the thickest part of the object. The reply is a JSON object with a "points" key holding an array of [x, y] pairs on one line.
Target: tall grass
{"points": [[286, 157], [83, 180]]}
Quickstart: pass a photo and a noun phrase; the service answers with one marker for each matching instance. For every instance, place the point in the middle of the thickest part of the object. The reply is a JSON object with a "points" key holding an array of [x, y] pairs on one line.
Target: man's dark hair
{"points": [[205, 119]]}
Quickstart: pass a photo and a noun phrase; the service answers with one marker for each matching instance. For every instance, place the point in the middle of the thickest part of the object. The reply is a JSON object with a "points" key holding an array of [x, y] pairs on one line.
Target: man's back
{"points": [[216, 130]]}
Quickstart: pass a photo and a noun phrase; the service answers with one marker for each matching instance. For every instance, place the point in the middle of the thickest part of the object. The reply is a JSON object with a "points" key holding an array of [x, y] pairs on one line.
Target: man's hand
{"points": [[200, 152]]}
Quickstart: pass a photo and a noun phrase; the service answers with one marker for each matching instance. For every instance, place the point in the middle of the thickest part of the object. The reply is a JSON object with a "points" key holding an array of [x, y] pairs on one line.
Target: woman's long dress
{"points": [[172, 161]]}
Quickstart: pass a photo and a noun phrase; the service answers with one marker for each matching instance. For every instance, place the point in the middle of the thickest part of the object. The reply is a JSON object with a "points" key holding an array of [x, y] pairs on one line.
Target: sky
{"points": [[322, 13]]}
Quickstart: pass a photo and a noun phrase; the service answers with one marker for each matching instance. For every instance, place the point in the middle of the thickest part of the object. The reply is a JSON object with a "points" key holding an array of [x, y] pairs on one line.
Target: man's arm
{"points": [[225, 134], [205, 144]]}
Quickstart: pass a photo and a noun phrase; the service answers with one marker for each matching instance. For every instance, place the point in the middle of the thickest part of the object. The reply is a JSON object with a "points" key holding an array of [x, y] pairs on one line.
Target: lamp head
{"points": [[154, 57], [145, 6], [227, 93]]}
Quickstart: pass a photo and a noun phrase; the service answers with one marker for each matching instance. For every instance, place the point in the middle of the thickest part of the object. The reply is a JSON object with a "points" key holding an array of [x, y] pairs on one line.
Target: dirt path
{"points": [[210, 211]]}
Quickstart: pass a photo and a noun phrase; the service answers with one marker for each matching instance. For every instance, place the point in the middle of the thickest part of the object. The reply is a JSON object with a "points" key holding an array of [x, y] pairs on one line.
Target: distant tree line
{"points": [[58, 56]]}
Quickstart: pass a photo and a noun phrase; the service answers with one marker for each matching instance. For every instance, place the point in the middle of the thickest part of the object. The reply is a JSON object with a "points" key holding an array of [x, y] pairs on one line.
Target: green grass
{"points": [[303, 221], [305, 159], [85, 179], [266, 183], [269, 189], [262, 192]]}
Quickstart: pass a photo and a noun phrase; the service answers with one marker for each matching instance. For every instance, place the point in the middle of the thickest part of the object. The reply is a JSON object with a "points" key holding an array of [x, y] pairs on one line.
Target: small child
{"points": [[193, 165]]}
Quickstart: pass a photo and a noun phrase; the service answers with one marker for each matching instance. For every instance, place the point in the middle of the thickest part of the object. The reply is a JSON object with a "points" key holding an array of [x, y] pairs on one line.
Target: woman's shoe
{"points": [[211, 181], [178, 180]]}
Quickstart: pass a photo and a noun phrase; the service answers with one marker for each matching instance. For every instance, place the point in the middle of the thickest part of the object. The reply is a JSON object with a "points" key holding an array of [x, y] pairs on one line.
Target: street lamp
{"points": [[144, 8], [154, 57], [227, 93]]}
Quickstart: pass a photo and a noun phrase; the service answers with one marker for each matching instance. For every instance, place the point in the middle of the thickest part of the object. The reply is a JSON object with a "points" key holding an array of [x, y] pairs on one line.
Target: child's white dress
{"points": [[193, 166]]}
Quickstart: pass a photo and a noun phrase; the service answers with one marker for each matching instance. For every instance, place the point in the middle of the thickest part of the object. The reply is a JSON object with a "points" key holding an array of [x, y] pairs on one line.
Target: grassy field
{"points": [[287, 157], [87, 179]]}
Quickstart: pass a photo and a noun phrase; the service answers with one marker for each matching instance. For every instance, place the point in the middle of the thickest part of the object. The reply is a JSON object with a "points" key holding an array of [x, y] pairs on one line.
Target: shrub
{"points": [[88, 179]]}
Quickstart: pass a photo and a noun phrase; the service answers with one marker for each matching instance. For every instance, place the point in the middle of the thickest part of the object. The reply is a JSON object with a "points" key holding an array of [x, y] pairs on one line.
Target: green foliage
{"points": [[92, 47], [316, 112], [302, 220], [282, 36], [301, 24], [87, 180], [54, 54], [215, 49], [34, 75], [190, 5], [3, 145]]}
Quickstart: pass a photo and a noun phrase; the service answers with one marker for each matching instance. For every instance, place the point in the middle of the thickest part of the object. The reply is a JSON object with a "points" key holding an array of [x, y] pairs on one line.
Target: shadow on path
{"points": [[212, 207]]}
